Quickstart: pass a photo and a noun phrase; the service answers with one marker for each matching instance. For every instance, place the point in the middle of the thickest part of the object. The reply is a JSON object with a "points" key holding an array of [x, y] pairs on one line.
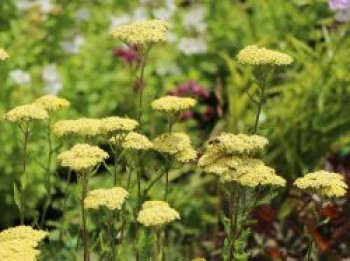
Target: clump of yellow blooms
{"points": [[84, 127], [156, 213], [142, 33], [133, 140], [173, 104], [198, 259], [19, 243], [82, 157], [176, 144], [254, 55], [24, 113], [115, 124], [51, 103], [112, 198], [3, 54], [228, 157], [324, 183]]}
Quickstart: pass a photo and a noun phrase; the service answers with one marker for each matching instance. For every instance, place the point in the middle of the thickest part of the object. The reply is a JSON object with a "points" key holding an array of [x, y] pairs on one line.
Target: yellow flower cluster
{"points": [[81, 127], [51, 103], [82, 157], [228, 158], [254, 55], [133, 140], [3, 54], [240, 144], [198, 259], [173, 104], [24, 113], [115, 124], [155, 213], [112, 198], [176, 144], [19, 243], [324, 183], [142, 33]]}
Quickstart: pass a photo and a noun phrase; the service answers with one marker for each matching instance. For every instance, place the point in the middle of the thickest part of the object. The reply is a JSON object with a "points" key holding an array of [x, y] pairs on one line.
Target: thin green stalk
{"points": [[111, 234], [142, 85], [47, 174], [24, 174], [85, 238], [232, 224], [160, 244], [260, 104]]}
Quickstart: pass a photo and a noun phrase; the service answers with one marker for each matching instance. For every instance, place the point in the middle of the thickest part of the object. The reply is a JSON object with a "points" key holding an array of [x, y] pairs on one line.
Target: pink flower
{"points": [[128, 55], [339, 4]]}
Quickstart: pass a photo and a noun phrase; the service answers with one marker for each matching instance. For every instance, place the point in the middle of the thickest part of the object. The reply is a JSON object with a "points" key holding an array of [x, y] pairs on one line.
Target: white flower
{"points": [[343, 15], [194, 19], [51, 79], [119, 20], [170, 69], [24, 5], [140, 14], [45, 6], [20, 77], [163, 13], [191, 46], [82, 14], [73, 47]]}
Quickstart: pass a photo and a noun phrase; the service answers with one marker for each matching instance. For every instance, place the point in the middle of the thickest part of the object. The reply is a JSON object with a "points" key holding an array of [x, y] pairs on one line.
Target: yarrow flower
{"points": [[51, 103], [25, 113], [115, 124], [19, 243], [133, 140], [144, 33], [84, 127], [173, 104], [82, 157], [112, 198], [227, 156], [324, 183], [254, 55], [156, 213], [3, 54], [175, 144]]}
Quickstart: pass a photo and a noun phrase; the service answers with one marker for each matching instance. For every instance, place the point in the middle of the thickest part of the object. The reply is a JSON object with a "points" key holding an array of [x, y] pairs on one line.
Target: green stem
{"points": [[25, 159], [83, 215], [111, 233], [142, 86], [47, 174], [160, 245], [260, 104], [232, 224]]}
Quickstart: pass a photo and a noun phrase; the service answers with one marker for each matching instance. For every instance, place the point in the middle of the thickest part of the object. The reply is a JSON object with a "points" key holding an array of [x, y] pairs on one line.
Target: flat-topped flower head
{"points": [[82, 157], [51, 103], [83, 127], [3, 54], [156, 213], [25, 113], [18, 250], [324, 183], [112, 198], [115, 124], [25, 233], [254, 55], [144, 33], [237, 144], [176, 144], [133, 140], [173, 104]]}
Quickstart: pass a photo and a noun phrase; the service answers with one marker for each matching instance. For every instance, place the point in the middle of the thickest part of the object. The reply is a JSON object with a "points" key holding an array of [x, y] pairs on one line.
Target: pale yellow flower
{"points": [[18, 250], [112, 198], [132, 140], [144, 33], [176, 144], [324, 183], [82, 157], [115, 124], [3, 54], [25, 113], [84, 127], [254, 55], [155, 213], [51, 103], [23, 233], [173, 104]]}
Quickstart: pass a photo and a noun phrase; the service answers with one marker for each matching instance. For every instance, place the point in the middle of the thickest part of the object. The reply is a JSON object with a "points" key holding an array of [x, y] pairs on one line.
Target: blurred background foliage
{"points": [[63, 47]]}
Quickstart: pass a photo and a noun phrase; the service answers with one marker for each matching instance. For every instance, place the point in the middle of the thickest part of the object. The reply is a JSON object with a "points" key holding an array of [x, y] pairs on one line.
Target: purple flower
{"points": [[339, 4], [186, 115], [128, 55], [190, 88]]}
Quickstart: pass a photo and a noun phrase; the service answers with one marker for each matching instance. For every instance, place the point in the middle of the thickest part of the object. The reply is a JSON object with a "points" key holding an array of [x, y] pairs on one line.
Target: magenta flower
{"points": [[190, 88], [339, 4], [128, 55]]}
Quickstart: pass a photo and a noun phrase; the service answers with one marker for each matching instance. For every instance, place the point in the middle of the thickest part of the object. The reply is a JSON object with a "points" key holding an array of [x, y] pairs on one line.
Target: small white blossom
{"points": [[20, 77], [190, 46], [73, 47], [52, 79], [82, 14], [194, 19], [343, 15], [119, 20]]}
